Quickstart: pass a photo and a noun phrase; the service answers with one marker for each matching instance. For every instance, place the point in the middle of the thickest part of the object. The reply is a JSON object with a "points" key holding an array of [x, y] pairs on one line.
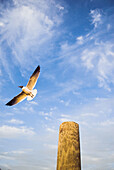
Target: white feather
{"points": [[34, 92]]}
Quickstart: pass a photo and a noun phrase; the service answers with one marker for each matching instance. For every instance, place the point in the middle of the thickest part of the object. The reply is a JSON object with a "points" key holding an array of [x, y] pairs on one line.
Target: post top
{"points": [[69, 124]]}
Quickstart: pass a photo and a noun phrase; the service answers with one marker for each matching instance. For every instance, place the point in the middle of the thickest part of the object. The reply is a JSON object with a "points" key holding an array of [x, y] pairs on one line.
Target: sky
{"points": [[73, 42]]}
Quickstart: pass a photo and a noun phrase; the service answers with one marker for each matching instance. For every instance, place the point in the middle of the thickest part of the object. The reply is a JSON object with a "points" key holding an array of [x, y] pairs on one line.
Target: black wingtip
{"points": [[10, 103], [36, 70], [38, 67], [7, 104]]}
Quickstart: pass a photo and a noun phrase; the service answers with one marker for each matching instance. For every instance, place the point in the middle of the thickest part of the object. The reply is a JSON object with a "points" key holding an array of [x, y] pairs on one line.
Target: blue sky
{"points": [[73, 42]]}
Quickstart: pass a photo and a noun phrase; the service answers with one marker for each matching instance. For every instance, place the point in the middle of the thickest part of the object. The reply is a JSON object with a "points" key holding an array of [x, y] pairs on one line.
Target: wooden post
{"points": [[68, 157]]}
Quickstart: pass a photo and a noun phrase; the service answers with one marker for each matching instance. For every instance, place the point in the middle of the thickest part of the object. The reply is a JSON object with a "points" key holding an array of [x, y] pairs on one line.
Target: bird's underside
{"points": [[28, 90]]}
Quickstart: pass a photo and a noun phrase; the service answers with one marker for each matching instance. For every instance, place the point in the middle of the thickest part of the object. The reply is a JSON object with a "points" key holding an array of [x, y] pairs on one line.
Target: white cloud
{"points": [[14, 156], [51, 146], [64, 119], [80, 40], [84, 123], [51, 130], [33, 102], [61, 101], [99, 59], [15, 121], [95, 54], [99, 107], [53, 108], [60, 7], [47, 118], [66, 103], [35, 25], [14, 132], [107, 123], [7, 157], [5, 64], [46, 113], [67, 87], [1, 24], [16, 152], [96, 17], [27, 30], [87, 60], [108, 27]]}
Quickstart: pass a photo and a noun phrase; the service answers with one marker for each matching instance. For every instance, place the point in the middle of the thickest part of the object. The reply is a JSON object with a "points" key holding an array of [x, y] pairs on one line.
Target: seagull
{"points": [[28, 90]]}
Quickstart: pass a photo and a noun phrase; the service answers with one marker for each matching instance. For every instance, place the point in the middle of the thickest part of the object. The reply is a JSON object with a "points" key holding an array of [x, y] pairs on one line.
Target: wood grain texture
{"points": [[68, 157]]}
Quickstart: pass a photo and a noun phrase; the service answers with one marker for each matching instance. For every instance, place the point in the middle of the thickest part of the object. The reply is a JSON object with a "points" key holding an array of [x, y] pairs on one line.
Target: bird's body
{"points": [[28, 90], [29, 93]]}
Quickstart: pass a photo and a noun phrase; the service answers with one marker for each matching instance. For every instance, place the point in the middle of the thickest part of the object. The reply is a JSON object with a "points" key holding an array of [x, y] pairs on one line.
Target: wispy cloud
{"points": [[33, 102], [66, 103], [107, 123], [71, 87], [1, 24], [51, 130], [64, 120], [35, 25], [16, 152], [93, 52], [80, 40], [5, 64], [15, 121], [99, 59], [96, 17], [14, 132], [51, 146]]}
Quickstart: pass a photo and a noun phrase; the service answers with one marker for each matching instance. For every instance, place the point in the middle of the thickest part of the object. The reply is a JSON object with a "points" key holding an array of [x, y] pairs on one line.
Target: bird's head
{"points": [[20, 87]]}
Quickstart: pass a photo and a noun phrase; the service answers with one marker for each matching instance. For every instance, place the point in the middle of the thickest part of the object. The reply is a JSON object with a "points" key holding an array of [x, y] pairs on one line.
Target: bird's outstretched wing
{"points": [[33, 79], [21, 96]]}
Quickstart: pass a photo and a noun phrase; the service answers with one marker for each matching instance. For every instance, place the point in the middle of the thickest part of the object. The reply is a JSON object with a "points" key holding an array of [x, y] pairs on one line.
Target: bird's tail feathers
{"points": [[34, 92]]}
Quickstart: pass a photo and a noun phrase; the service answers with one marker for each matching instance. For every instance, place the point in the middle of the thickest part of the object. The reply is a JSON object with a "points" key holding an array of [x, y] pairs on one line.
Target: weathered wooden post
{"points": [[68, 157]]}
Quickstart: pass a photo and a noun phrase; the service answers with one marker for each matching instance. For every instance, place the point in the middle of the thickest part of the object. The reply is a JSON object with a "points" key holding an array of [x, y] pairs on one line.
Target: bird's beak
{"points": [[20, 87]]}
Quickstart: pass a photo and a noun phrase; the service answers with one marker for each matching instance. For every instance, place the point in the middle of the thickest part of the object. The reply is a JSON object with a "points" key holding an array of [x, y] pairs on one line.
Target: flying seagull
{"points": [[28, 90]]}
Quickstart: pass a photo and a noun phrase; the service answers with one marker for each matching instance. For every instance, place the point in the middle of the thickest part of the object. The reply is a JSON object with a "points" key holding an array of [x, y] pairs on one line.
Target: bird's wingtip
{"points": [[7, 104], [39, 67]]}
